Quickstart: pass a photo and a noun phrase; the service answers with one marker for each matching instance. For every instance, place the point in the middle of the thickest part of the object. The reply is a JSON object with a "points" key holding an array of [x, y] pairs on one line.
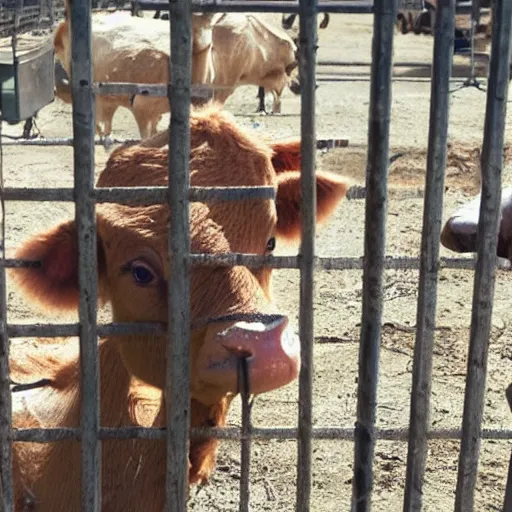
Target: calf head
{"points": [[460, 231], [231, 314]]}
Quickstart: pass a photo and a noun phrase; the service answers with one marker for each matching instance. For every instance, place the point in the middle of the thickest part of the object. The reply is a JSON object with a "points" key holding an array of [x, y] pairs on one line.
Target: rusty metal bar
{"points": [[321, 143], [85, 218], [47, 435], [246, 435], [282, 6], [68, 330], [374, 247], [140, 195], [321, 263], [6, 475], [307, 66], [177, 388], [419, 422], [483, 291], [507, 505], [130, 89]]}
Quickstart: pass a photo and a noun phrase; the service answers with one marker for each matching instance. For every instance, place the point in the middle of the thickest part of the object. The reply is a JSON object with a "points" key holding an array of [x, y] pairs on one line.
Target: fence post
{"points": [[177, 391], [419, 422], [307, 64], [374, 247], [483, 290]]}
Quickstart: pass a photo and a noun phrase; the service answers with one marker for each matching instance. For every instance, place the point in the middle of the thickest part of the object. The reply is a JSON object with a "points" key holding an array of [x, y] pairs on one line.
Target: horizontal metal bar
{"points": [[43, 435], [115, 88], [65, 330], [261, 6], [202, 91], [139, 195], [337, 142], [333, 6], [321, 263], [353, 64]]}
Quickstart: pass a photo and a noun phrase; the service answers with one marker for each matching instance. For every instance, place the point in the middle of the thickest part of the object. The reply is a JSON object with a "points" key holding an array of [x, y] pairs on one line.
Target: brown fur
{"points": [[132, 368]]}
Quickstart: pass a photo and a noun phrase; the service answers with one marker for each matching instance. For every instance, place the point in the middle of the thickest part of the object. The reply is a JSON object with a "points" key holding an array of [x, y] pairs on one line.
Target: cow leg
{"points": [[148, 112], [105, 111], [27, 128], [276, 106], [261, 97]]}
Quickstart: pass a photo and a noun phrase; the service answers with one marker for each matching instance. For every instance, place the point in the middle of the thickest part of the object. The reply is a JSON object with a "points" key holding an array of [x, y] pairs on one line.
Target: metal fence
{"points": [[178, 195]]}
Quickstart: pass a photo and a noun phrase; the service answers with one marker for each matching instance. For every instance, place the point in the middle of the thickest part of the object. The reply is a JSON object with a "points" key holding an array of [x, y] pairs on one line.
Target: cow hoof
{"points": [[262, 112]]}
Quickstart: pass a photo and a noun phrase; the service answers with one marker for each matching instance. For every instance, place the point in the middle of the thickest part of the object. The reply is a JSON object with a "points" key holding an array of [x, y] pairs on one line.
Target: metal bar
{"points": [[85, 218], [307, 65], [356, 64], [246, 433], [140, 195], [374, 247], [177, 389], [6, 476], [419, 422], [47, 435], [69, 330], [321, 263], [341, 6], [483, 291], [114, 88], [62, 141], [507, 505]]}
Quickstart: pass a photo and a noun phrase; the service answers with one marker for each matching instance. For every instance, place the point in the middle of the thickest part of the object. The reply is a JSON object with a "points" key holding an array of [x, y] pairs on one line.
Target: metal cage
{"points": [[365, 433]]}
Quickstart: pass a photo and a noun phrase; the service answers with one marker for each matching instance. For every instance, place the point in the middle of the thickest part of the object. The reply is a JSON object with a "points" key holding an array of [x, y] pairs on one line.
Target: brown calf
{"points": [[133, 276]]}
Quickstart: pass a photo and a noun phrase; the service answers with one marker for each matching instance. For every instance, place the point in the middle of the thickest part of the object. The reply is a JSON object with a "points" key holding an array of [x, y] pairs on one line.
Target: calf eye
{"points": [[142, 274], [271, 244]]}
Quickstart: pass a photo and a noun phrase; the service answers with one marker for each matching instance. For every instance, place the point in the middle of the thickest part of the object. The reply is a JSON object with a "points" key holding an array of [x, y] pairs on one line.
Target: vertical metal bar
{"points": [[178, 353], [483, 291], [419, 422], [307, 69], [6, 480], [245, 444], [85, 218], [507, 505], [374, 245]]}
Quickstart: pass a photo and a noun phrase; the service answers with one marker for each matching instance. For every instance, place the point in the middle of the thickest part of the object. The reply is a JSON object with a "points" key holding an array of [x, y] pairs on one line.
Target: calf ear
{"points": [[286, 155], [54, 283], [330, 189]]}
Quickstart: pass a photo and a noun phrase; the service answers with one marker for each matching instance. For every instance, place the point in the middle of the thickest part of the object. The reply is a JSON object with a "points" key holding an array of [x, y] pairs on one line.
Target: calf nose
{"points": [[240, 338]]}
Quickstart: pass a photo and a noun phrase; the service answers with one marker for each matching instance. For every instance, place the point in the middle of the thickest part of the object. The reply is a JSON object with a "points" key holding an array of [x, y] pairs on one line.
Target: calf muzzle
{"points": [[269, 346]]}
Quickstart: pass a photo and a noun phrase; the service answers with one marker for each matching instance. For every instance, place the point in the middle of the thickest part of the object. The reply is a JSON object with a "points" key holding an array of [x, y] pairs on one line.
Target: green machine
{"points": [[26, 80]]}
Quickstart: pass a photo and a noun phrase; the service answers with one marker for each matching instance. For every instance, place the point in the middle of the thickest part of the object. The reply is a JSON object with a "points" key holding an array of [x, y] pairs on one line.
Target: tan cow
{"points": [[131, 49], [249, 51], [133, 276]]}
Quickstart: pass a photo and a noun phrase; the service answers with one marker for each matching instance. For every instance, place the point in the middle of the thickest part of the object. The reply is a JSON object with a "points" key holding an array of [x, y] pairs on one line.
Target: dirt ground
{"points": [[342, 111]]}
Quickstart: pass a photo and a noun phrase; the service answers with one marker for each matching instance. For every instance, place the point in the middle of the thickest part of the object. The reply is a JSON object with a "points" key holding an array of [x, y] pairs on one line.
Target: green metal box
{"points": [[26, 81]]}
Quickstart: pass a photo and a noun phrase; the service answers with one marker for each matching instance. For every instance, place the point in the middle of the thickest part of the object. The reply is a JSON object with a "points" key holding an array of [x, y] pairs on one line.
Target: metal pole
{"points": [[177, 391], [85, 218], [507, 506], [374, 246], [419, 421], [6, 480], [483, 291], [307, 63]]}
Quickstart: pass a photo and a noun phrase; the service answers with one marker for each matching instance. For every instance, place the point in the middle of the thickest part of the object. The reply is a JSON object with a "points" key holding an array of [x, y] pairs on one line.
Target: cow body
{"points": [[249, 51], [133, 274], [136, 50]]}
